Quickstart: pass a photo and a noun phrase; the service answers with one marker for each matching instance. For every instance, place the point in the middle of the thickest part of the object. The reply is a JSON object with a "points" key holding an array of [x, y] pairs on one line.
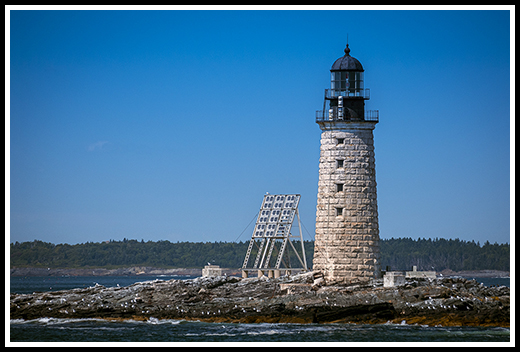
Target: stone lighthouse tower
{"points": [[347, 229]]}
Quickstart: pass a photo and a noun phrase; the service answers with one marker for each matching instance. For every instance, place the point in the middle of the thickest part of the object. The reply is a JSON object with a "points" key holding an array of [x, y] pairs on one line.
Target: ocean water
{"points": [[30, 284], [154, 330]]}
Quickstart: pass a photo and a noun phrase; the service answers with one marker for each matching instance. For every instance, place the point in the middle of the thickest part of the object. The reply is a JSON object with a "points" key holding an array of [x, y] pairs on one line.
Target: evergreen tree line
{"points": [[398, 254]]}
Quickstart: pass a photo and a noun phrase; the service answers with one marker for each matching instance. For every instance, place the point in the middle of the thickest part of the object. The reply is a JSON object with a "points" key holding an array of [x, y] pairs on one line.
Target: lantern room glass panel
{"points": [[346, 83]]}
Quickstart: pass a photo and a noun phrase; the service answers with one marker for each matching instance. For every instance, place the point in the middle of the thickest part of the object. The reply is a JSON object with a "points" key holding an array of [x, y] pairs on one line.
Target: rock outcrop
{"points": [[300, 299]]}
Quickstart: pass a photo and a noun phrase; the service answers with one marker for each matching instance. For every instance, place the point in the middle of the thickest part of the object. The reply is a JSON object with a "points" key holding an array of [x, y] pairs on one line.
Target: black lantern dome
{"points": [[346, 76], [345, 100], [347, 63]]}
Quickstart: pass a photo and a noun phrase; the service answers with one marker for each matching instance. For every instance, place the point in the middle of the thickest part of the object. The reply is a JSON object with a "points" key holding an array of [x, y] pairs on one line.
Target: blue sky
{"points": [[172, 124]]}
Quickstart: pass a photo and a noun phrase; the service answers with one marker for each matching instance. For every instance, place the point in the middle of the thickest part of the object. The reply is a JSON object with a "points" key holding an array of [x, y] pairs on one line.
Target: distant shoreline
{"points": [[138, 270], [474, 273], [128, 271]]}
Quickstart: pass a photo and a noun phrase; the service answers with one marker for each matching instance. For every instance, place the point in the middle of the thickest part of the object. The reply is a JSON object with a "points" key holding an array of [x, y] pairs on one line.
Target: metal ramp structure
{"points": [[272, 234]]}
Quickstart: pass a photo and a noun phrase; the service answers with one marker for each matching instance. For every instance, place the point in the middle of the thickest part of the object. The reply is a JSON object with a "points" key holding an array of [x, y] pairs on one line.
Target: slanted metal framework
{"points": [[272, 233]]}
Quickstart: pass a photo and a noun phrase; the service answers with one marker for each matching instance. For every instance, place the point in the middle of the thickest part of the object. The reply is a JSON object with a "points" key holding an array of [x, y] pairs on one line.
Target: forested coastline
{"points": [[397, 253]]}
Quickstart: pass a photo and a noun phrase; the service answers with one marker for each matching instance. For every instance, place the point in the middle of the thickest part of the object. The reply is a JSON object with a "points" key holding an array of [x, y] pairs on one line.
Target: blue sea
{"points": [[180, 331]]}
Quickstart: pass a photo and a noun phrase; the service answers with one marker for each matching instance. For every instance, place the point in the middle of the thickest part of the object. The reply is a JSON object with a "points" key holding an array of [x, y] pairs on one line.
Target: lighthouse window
{"points": [[340, 140], [339, 187], [339, 211], [339, 163]]}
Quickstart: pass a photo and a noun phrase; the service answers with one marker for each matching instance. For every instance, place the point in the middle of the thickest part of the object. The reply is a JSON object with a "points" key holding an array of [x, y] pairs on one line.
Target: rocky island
{"points": [[304, 298]]}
